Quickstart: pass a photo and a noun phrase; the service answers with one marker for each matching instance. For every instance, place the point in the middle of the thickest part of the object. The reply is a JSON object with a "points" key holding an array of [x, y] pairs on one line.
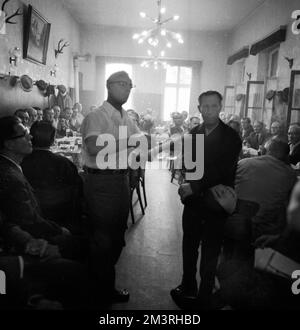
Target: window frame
{"points": [[177, 86]]}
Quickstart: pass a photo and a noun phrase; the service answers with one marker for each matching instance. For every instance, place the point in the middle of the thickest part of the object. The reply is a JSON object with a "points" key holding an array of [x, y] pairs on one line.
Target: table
{"points": [[69, 147]]}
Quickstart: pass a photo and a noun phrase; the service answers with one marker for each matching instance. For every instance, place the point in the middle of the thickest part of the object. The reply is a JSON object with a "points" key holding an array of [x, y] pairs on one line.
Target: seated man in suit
{"points": [[54, 178], [49, 250], [294, 142], [258, 137], [247, 128]]}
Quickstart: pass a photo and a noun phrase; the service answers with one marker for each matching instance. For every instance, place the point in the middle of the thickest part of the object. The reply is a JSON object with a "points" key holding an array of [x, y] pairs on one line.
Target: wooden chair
{"points": [[134, 181], [171, 164], [142, 181]]}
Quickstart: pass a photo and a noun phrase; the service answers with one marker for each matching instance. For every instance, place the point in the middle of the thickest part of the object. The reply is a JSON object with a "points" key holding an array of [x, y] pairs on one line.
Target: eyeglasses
{"points": [[123, 84], [25, 133]]}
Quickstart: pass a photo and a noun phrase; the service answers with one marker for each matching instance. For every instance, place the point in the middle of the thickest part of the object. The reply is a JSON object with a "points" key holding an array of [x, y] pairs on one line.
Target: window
{"points": [[255, 100], [229, 99], [240, 72], [177, 90], [273, 63], [110, 68]]}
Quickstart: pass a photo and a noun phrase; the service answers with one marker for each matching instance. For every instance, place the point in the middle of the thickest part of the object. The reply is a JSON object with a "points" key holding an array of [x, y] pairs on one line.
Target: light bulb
{"points": [[163, 32], [178, 36], [135, 36], [163, 10], [140, 41], [142, 14], [162, 53], [176, 17], [169, 45], [180, 41], [144, 33], [149, 52]]}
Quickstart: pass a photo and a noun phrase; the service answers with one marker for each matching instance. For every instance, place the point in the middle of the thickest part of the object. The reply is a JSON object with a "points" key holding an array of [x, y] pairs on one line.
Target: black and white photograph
{"points": [[150, 158]]}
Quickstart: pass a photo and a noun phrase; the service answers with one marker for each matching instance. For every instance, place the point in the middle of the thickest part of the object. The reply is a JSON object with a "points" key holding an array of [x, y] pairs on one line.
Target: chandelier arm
{"points": [[167, 20], [150, 33], [159, 9], [151, 19]]}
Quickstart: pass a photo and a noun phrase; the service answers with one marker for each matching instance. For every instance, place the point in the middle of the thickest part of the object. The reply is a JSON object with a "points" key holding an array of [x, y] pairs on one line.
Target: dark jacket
{"points": [[22, 219], [294, 156], [255, 141], [247, 132], [221, 150], [57, 185]]}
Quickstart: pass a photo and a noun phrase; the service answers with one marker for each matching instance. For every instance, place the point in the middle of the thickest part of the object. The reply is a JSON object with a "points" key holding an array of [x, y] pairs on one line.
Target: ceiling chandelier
{"points": [[158, 35], [155, 60]]}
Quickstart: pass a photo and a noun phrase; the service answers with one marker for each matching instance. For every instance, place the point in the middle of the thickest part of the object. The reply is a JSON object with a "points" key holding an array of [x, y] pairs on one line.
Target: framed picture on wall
{"points": [[36, 37]]}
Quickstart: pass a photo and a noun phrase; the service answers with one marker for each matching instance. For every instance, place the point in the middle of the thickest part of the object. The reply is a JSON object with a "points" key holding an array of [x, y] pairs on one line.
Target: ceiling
{"points": [[203, 15]]}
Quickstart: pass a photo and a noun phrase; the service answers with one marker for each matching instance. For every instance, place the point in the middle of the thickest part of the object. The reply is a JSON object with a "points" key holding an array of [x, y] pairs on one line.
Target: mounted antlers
{"points": [[8, 18], [60, 47]]}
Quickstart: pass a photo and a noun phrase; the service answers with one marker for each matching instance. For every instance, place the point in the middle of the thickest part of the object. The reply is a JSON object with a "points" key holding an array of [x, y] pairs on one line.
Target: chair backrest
{"points": [[134, 178]]}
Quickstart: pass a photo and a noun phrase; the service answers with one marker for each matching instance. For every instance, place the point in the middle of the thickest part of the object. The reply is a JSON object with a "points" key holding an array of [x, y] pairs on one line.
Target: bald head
{"points": [[278, 149]]}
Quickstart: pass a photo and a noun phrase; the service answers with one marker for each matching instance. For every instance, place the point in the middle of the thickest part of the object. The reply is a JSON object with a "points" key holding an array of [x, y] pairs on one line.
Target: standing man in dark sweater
{"points": [[222, 146]]}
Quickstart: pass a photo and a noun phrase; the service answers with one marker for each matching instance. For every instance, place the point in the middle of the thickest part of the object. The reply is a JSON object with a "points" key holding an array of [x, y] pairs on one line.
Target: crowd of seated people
{"points": [[256, 136], [50, 260], [44, 249], [66, 121], [41, 222]]}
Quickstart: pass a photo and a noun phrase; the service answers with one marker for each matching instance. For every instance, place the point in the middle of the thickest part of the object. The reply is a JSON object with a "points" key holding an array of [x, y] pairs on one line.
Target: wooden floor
{"points": [[150, 264]]}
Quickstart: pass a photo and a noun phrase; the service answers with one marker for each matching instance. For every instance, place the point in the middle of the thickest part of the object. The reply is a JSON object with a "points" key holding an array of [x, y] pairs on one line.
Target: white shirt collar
{"points": [[12, 161]]}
